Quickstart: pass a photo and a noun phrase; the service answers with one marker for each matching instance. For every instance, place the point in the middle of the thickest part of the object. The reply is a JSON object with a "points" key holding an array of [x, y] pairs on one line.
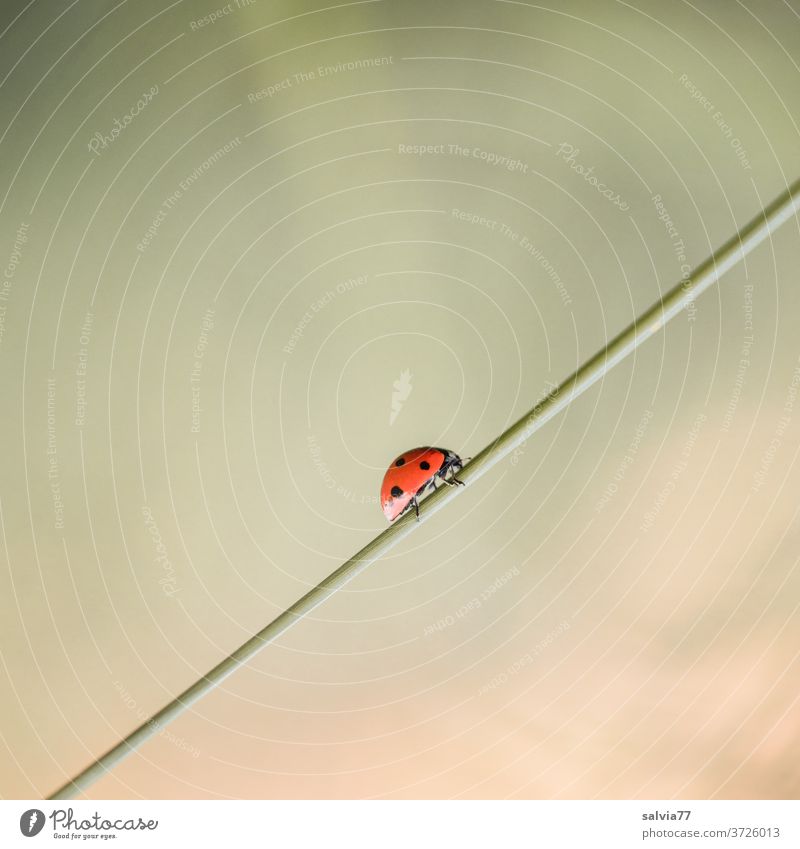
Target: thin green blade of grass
{"points": [[782, 209]]}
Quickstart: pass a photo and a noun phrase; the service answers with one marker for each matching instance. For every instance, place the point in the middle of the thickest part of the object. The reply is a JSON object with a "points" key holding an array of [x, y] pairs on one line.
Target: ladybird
{"points": [[415, 473]]}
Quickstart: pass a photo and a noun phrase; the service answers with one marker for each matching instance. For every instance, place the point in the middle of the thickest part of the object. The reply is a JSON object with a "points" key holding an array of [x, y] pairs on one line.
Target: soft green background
{"points": [[606, 655]]}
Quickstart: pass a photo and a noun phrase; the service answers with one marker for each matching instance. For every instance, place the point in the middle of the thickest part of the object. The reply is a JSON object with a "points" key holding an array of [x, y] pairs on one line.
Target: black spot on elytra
{"points": [[400, 461], [425, 465], [396, 492]]}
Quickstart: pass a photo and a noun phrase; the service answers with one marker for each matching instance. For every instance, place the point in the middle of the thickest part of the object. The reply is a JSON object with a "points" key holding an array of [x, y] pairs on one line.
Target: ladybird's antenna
{"points": [[647, 325]]}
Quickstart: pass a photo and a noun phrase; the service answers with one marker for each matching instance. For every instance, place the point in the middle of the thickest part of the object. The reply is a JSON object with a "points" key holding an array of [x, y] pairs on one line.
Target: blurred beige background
{"points": [[244, 266]]}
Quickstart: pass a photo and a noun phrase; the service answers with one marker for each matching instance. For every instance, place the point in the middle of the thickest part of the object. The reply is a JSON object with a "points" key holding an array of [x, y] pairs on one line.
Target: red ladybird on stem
{"points": [[413, 474]]}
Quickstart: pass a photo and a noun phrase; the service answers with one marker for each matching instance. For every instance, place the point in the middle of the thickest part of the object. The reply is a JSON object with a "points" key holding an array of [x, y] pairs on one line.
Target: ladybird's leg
{"points": [[416, 506], [426, 488], [453, 470], [456, 468]]}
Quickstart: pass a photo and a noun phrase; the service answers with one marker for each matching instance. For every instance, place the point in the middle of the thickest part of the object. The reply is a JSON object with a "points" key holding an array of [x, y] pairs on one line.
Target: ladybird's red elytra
{"points": [[415, 473]]}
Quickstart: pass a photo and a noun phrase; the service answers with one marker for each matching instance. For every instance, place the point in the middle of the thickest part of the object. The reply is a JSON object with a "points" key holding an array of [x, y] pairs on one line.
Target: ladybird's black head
{"points": [[451, 459]]}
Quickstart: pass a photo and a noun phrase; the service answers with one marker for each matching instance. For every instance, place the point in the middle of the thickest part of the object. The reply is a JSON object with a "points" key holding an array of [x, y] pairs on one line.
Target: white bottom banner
{"points": [[354, 824]]}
